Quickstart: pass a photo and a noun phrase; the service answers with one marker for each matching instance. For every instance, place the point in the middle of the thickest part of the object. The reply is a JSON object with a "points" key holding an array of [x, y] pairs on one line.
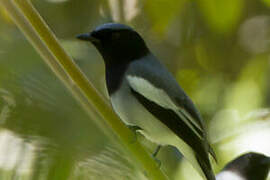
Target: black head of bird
{"points": [[116, 42]]}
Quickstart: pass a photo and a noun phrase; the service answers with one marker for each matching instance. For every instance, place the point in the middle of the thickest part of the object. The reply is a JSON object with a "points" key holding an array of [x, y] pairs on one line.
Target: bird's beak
{"points": [[88, 37]]}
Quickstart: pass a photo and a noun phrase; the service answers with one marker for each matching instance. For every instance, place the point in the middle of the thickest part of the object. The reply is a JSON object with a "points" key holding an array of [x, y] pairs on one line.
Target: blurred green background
{"points": [[219, 51]]}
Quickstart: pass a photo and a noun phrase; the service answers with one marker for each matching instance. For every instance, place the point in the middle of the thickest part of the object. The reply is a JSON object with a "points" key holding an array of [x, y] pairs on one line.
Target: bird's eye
{"points": [[115, 35]]}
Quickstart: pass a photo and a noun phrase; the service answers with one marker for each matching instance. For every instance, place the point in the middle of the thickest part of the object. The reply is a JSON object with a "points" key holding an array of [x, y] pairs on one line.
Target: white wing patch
{"points": [[150, 92], [159, 97]]}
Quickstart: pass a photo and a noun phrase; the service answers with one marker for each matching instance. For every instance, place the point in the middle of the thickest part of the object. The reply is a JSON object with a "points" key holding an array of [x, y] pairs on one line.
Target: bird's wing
{"points": [[157, 90], [151, 80], [144, 89]]}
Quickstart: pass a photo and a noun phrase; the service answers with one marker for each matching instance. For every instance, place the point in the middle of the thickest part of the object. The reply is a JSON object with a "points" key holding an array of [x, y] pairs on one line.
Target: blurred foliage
{"points": [[221, 16], [217, 50]]}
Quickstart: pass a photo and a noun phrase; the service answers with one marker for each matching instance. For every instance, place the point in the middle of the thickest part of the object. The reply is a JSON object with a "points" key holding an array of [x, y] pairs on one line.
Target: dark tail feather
{"points": [[207, 168]]}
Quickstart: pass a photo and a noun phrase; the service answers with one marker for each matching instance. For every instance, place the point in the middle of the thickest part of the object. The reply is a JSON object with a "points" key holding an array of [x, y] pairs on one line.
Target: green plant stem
{"points": [[41, 37]]}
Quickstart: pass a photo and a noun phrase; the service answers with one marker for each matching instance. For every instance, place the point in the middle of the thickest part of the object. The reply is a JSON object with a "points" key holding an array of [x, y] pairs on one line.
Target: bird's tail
{"points": [[201, 164]]}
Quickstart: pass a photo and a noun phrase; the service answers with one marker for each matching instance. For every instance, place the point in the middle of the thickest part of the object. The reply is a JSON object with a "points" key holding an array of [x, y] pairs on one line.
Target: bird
{"points": [[249, 166], [146, 96]]}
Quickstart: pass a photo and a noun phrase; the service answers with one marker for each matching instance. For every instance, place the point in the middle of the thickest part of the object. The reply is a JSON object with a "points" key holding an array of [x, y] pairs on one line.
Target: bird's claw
{"points": [[134, 129], [154, 155], [157, 161]]}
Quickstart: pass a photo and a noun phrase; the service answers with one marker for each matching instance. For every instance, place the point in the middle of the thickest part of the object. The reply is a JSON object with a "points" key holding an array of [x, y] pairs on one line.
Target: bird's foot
{"points": [[156, 151], [154, 155], [134, 129], [157, 161]]}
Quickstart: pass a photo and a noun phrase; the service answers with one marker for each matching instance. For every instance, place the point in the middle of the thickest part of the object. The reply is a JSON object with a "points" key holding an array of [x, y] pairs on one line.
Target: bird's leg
{"points": [[156, 151], [155, 155], [134, 129]]}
